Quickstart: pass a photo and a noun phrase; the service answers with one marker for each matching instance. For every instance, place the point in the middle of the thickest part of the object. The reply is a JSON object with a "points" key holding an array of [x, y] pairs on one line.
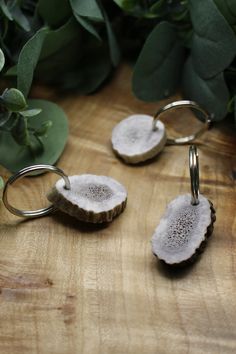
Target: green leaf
{"points": [[228, 10], [113, 45], [20, 18], [158, 68], [87, 8], [51, 69], [231, 104], [57, 39], [2, 60], [93, 69], [84, 22], [14, 100], [31, 112], [4, 117], [11, 71], [1, 182], [54, 14], [14, 157], [213, 41], [5, 10], [42, 131], [212, 94], [126, 5], [28, 59], [20, 132]]}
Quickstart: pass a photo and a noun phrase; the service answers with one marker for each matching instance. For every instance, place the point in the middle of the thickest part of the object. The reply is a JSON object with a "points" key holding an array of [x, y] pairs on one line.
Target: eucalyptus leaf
{"points": [[14, 100], [28, 59], [213, 42], [11, 71], [231, 104], [113, 45], [20, 18], [43, 130], [1, 182], [86, 24], [5, 10], [14, 157], [212, 94], [20, 132], [156, 75], [4, 117], [50, 70], [2, 60], [31, 112], [157, 7], [228, 10], [132, 6], [87, 8], [53, 13], [56, 40], [94, 67], [126, 4]]}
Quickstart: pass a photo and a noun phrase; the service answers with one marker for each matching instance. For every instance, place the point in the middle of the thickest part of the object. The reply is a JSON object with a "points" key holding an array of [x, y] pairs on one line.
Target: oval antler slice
{"points": [[183, 230], [134, 139], [92, 198]]}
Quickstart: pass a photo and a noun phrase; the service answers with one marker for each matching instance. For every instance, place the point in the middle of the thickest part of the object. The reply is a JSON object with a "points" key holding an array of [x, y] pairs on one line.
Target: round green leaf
{"points": [[14, 157], [14, 100], [2, 59]]}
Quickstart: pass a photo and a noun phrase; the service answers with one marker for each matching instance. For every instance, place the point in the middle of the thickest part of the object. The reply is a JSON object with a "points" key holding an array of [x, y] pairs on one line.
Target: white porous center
{"points": [[95, 192], [135, 135], [180, 227]]}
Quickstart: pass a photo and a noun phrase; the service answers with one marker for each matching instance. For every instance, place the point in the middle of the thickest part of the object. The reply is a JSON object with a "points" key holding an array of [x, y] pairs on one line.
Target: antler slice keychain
{"points": [[140, 137], [89, 198], [186, 224]]}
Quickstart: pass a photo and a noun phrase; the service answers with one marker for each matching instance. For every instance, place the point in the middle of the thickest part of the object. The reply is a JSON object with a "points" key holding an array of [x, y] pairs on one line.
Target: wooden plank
{"points": [[72, 288]]}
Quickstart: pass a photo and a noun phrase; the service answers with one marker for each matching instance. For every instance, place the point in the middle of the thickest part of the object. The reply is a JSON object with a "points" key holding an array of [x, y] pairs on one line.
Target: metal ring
{"points": [[24, 172], [181, 104], [194, 174]]}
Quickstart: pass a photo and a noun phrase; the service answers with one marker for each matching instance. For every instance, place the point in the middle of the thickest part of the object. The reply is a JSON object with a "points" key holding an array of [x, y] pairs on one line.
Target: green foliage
{"points": [[211, 93], [47, 138], [28, 59], [87, 8], [75, 44], [2, 60], [206, 50], [157, 76], [1, 182], [5, 10], [53, 13], [212, 39], [13, 100]]}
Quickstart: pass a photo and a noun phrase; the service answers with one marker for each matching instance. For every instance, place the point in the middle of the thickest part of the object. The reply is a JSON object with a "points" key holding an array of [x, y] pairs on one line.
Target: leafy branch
{"points": [[76, 44]]}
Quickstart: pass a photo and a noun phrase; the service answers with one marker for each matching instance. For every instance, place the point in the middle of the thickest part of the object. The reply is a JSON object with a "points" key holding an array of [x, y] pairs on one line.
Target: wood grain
{"points": [[68, 288]]}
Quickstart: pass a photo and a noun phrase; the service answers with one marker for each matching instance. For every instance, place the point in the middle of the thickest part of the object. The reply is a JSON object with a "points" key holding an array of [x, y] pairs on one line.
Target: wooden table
{"points": [[70, 288]]}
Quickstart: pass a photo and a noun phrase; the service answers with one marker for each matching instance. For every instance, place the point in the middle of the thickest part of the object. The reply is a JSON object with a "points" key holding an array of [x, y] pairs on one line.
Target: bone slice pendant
{"points": [[134, 140], [183, 230], [94, 199]]}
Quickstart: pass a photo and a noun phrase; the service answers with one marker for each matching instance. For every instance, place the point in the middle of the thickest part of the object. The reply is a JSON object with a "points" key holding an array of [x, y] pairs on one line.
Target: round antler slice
{"points": [[183, 230], [92, 198], [134, 139]]}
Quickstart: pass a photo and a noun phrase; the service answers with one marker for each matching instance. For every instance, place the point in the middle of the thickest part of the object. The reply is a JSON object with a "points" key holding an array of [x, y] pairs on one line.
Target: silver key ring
{"points": [[24, 172], [194, 174], [182, 104]]}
